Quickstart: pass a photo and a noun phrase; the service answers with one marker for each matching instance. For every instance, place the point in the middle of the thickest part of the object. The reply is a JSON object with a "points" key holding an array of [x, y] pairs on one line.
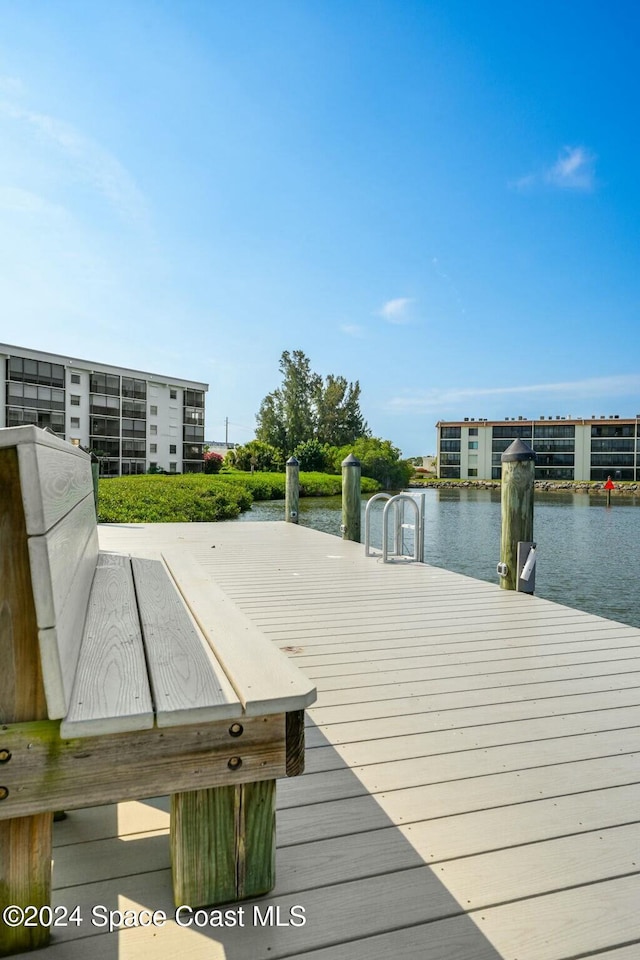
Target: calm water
{"points": [[588, 554]]}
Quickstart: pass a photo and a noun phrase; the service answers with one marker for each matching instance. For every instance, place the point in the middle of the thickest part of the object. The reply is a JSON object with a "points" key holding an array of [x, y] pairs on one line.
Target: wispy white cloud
{"points": [[12, 85], [17, 200], [86, 159], [574, 169], [592, 388], [396, 311], [353, 330]]}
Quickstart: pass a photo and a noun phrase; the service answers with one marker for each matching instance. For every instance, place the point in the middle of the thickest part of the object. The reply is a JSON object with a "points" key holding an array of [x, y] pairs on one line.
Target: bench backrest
{"points": [[57, 495]]}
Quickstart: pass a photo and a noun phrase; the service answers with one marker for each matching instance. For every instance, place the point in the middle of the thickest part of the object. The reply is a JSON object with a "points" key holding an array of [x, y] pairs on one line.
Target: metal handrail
{"points": [[367, 521], [392, 507]]}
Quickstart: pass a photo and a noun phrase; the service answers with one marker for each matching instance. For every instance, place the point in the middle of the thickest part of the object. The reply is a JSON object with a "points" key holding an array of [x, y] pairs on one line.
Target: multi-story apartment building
{"points": [[133, 421], [566, 448]]}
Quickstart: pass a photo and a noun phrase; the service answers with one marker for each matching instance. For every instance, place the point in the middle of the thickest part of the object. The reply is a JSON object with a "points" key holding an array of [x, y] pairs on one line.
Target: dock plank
{"points": [[473, 779]]}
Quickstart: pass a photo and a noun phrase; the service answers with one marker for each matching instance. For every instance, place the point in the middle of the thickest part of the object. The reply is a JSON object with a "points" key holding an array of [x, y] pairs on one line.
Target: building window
{"points": [[153, 448], [613, 430], [105, 406], [194, 398], [134, 428], [134, 408], [513, 432], [36, 397], [555, 431], [104, 427], [153, 429], [153, 410], [75, 378], [132, 467], [612, 445], [473, 444], [74, 400], [75, 422], [473, 471], [173, 394], [134, 389], [105, 448], [105, 383], [36, 371], [172, 448], [134, 448], [172, 467], [109, 468], [473, 431]]}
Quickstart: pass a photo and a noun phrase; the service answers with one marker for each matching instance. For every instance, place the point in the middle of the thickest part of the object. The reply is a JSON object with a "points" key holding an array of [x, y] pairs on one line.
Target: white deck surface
{"points": [[472, 790]]}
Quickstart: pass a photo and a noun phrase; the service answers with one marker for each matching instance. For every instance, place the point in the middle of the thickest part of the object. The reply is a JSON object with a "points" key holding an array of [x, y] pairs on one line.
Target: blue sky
{"points": [[439, 199]]}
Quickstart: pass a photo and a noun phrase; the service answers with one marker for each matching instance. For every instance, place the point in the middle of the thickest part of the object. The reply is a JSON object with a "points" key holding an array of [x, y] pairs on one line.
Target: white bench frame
{"points": [[129, 678]]}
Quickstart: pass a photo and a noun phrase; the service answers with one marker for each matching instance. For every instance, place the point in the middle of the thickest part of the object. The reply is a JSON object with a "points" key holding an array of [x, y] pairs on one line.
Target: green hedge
{"points": [[271, 486], [199, 497], [164, 499]]}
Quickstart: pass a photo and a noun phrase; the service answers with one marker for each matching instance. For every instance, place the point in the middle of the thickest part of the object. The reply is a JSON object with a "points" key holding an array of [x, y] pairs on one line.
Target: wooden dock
{"points": [[473, 777]]}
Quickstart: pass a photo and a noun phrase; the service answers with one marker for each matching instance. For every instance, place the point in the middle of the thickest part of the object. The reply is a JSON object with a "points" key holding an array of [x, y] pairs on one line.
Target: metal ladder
{"points": [[394, 511]]}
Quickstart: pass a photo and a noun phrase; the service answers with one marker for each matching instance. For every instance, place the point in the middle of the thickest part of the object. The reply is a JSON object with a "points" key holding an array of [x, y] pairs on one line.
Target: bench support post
{"points": [[25, 878], [25, 842], [223, 843]]}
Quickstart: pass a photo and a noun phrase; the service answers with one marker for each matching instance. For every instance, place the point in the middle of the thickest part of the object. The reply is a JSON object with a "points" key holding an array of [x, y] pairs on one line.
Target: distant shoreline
{"points": [[627, 488]]}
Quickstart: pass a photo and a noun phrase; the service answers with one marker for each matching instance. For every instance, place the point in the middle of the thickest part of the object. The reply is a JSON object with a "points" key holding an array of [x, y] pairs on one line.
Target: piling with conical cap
{"points": [[292, 490], [518, 476], [351, 498]]}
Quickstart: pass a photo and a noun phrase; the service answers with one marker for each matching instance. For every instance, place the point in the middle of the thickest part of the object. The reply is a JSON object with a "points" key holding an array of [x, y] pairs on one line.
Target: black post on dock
{"points": [[351, 498], [518, 476], [292, 490], [95, 473]]}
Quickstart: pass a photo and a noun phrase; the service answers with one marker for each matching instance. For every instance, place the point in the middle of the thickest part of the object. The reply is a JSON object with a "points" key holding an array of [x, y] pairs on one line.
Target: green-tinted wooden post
{"points": [[292, 491], [351, 499], [518, 476], [223, 843], [25, 842], [95, 474]]}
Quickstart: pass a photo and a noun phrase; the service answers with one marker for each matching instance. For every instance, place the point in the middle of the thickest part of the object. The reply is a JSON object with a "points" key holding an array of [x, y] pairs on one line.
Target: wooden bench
{"points": [[125, 678]]}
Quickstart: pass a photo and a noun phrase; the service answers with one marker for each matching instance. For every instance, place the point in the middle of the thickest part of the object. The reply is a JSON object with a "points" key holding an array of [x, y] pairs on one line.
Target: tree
{"points": [[286, 416], [311, 455], [339, 419], [306, 407], [255, 455], [379, 459]]}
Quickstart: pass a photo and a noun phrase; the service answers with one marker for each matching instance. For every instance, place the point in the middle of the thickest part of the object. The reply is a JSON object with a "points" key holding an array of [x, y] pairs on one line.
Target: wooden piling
{"points": [[292, 490], [351, 498], [518, 476], [25, 842]]}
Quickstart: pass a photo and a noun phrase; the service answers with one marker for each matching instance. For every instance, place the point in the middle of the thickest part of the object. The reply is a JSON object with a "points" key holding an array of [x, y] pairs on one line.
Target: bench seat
{"points": [[127, 678], [142, 660]]}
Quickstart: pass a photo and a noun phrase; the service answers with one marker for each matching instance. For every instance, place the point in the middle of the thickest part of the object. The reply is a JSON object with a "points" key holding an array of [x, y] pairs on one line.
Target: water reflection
{"points": [[587, 553]]}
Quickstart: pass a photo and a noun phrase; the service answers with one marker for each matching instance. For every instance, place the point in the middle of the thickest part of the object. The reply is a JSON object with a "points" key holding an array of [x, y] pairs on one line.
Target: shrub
{"points": [[379, 459], [312, 455], [195, 497], [163, 499], [212, 462], [256, 455]]}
